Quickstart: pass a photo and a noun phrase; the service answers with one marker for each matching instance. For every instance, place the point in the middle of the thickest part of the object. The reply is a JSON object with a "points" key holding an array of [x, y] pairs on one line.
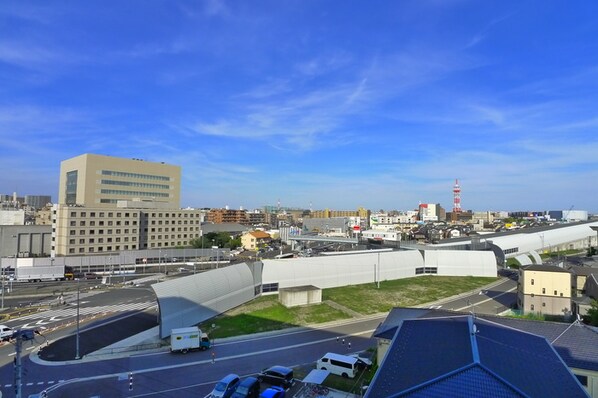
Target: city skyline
{"points": [[316, 104]]}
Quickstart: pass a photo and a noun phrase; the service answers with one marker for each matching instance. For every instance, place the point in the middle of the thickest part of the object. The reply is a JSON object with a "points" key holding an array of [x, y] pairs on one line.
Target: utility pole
{"points": [[77, 336], [20, 336]]}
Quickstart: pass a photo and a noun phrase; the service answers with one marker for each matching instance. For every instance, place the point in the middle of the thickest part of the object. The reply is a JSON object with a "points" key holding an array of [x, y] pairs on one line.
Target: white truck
{"points": [[188, 339], [39, 273]]}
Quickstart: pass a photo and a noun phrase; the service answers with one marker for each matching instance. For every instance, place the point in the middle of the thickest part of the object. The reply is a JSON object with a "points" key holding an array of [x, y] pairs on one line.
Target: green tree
{"points": [[220, 239]]}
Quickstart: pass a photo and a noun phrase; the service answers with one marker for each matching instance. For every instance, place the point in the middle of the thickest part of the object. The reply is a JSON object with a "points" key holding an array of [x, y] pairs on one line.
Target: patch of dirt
{"points": [[250, 307]]}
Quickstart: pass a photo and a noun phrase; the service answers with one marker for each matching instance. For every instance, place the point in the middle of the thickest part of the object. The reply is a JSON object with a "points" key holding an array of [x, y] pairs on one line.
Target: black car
{"points": [[249, 388], [277, 376]]}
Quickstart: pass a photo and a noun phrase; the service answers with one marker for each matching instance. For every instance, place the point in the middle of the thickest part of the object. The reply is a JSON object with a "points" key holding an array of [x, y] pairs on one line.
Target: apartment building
{"points": [[221, 216], [89, 230], [364, 214], [544, 289]]}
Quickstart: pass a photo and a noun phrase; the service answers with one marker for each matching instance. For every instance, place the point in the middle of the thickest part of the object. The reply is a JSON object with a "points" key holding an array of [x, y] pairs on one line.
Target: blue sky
{"points": [[337, 104]]}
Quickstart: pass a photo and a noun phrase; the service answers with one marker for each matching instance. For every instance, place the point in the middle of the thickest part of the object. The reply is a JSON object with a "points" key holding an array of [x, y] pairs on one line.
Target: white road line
{"points": [[489, 299]]}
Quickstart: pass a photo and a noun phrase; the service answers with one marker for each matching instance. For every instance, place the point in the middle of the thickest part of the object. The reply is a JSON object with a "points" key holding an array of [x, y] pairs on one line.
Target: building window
{"points": [[561, 294], [71, 187], [543, 290], [269, 287], [532, 282], [92, 214], [582, 379], [555, 292], [531, 307], [73, 214]]}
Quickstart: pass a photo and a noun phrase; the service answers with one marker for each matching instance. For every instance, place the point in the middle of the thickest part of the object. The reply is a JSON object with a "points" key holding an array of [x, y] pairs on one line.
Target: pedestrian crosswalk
{"points": [[52, 316]]}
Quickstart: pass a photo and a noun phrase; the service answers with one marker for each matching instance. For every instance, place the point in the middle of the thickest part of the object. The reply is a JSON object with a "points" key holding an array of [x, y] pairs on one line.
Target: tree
{"points": [[220, 239]]}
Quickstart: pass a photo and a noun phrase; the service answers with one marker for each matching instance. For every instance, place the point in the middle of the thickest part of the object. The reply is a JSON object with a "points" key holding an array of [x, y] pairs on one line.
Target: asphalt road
{"points": [[192, 375]]}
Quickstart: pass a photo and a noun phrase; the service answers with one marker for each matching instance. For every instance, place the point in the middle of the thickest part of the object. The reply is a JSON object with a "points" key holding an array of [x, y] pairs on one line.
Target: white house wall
{"points": [[334, 271], [461, 263]]}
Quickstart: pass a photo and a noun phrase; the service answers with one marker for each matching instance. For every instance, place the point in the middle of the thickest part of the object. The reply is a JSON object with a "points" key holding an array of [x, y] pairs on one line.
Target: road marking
{"points": [[489, 299]]}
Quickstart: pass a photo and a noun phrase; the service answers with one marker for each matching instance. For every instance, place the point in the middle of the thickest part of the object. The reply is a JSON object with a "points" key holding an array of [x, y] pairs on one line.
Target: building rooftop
{"points": [[577, 344], [470, 356], [545, 268]]}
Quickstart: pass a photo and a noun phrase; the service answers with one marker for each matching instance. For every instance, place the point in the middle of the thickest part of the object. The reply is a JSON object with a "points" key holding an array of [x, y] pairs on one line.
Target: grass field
{"points": [[266, 313]]}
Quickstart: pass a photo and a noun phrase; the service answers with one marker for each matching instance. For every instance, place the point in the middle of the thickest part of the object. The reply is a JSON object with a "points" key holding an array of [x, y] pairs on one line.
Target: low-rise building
{"points": [[544, 289], [253, 239]]}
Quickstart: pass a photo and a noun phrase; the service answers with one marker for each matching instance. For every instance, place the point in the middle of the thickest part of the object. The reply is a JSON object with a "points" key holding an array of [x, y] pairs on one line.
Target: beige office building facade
{"points": [[101, 181]]}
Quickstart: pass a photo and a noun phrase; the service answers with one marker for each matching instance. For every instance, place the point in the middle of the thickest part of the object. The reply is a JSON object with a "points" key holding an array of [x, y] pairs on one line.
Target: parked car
{"points": [[277, 376], [248, 388], [273, 392], [362, 361], [6, 333], [225, 387]]}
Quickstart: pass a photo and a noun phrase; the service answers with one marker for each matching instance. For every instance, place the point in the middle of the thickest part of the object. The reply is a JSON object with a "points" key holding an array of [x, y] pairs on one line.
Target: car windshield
{"points": [[242, 390], [220, 386]]}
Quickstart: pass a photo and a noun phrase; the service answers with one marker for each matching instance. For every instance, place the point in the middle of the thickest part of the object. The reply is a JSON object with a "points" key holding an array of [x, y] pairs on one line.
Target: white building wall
{"points": [[575, 215], [343, 270], [570, 237], [12, 217], [461, 262], [334, 271]]}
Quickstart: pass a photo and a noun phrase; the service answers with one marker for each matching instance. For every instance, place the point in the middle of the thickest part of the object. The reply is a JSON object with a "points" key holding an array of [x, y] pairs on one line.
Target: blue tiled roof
{"points": [[474, 381], [525, 360], [435, 355], [577, 344]]}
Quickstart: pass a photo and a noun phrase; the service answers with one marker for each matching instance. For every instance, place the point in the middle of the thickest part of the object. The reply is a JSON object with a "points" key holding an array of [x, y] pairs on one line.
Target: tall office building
{"points": [[108, 204], [102, 181], [38, 201]]}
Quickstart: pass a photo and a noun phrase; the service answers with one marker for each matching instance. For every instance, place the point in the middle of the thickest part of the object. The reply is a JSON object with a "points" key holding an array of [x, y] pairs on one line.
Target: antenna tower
{"points": [[457, 197]]}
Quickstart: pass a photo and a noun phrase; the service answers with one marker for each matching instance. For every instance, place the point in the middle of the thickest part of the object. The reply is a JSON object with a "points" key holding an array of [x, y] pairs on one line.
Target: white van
{"points": [[338, 364], [5, 333]]}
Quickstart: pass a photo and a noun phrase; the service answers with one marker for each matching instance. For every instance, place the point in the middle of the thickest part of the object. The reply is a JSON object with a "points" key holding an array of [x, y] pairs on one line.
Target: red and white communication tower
{"points": [[456, 197]]}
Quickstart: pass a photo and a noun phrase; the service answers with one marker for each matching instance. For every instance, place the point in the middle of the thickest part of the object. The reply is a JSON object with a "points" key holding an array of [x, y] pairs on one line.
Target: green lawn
{"points": [[367, 299], [266, 313]]}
